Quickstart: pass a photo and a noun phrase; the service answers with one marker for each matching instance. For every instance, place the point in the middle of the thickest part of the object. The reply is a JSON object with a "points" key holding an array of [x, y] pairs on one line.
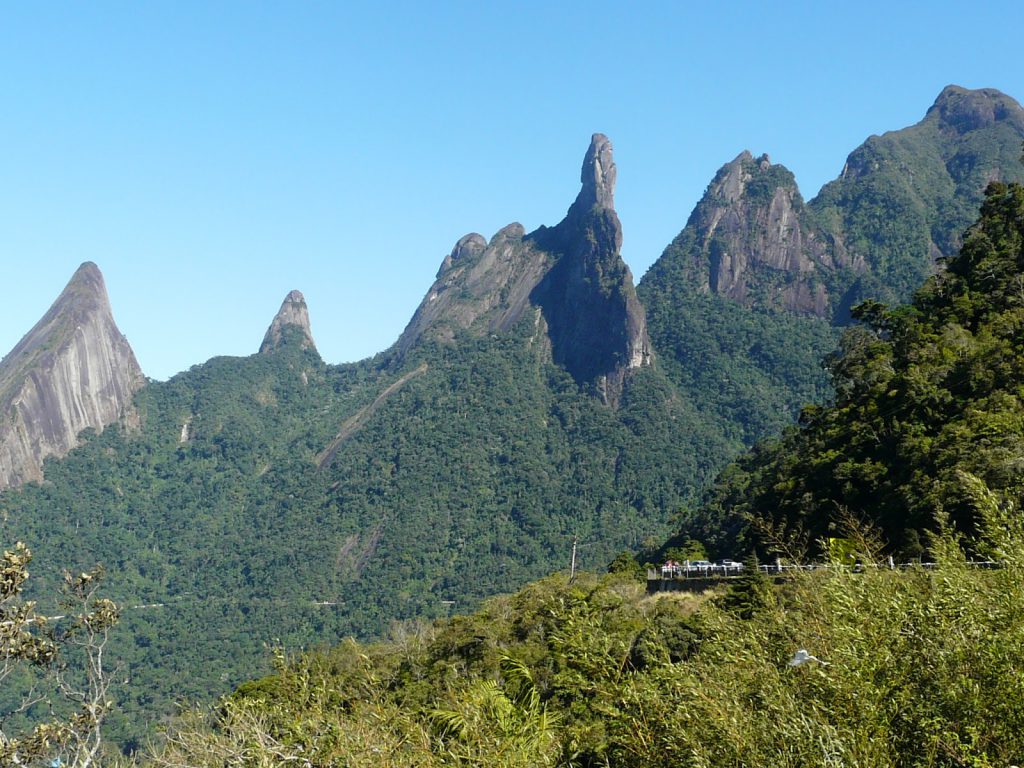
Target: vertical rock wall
{"points": [[73, 371]]}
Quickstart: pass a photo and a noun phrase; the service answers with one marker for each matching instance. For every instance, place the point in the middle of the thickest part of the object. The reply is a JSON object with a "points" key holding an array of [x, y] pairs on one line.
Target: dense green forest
{"points": [[871, 668], [862, 666], [905, 197], [276, 499], [751, 370], [923, 394], [854, 665]]}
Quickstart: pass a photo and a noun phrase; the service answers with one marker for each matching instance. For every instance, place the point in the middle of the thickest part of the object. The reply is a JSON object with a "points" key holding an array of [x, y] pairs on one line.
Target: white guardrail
{"points": [[702, 569]]}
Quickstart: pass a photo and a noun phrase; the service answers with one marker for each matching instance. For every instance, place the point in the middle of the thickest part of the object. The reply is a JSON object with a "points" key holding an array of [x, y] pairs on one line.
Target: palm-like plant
{"points": [[499, 723]]}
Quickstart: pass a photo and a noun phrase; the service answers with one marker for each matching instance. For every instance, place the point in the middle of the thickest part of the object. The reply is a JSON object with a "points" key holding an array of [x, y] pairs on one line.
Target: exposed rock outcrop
{"points": [[73, 371], [597, 177], [961, 110], [481, 285], [753, 242], [468, 246], [597, 326], [899, 206], [289, 326], [572, 274]]}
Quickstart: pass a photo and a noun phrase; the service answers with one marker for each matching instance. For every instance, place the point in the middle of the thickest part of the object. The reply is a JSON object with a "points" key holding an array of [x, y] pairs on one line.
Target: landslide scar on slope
{"points": [[356, 422]]}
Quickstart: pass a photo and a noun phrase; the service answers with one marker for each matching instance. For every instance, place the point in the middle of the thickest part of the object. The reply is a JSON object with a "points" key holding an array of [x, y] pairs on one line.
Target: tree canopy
{"points": [[924, 394]]}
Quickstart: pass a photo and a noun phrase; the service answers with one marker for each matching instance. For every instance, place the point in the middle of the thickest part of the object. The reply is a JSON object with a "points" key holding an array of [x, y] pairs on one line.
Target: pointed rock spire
{"points": [[290, 325], [597, 326], [572, 273], [597, 175], [74, 370]]}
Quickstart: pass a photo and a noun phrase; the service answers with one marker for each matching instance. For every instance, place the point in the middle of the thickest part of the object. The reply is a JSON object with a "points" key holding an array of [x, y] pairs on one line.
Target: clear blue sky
{"points": [[212, 156]]}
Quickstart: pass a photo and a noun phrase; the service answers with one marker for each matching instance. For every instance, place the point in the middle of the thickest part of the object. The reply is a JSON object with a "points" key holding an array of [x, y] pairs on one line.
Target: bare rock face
{"points": [[753, 242], [468, 247], [73, 371], [481, 285], [290, 325], [571, 277], [597, 175], [597, 326]]}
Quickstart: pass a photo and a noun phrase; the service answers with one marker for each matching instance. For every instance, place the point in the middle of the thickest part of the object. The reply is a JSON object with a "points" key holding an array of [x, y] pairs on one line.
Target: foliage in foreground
{"points": [[922, 393], [67, 652], [910, 668]]}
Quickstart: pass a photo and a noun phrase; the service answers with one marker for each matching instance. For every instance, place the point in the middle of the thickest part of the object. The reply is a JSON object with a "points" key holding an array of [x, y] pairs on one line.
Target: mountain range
{"points": [[536, 403]]}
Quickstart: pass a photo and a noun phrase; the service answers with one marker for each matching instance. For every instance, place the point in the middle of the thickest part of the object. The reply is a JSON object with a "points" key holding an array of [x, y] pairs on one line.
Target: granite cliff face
{"points": [[750, 239], [570, 278], [484, 285], [73, 371], [900, 205], [289, 326], [597, 326]]}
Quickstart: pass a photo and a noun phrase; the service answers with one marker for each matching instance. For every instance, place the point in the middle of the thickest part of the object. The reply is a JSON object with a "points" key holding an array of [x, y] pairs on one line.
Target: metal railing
{"points": [[702, 570]]}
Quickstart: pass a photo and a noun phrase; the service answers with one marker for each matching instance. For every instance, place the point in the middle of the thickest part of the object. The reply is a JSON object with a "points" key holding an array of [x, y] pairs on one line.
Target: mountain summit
{"points": [[290, 325], [74, 370], [570, 278], [597, 175], [597, 326], [748, 297], [750, 239], [900, 205], [963, 110], [904, 198]]}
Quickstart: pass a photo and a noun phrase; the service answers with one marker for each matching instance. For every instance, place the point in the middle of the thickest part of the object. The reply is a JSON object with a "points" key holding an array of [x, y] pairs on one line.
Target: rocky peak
{"points": [[597, 176], [572, 273], [74, 370], [961, 110], [290, 324], [597, 326], [468, 247], [731, 179], [750, 229]]}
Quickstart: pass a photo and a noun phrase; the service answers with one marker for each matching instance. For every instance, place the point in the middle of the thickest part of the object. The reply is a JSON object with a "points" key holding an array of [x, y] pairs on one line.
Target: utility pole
{"points": [[572, 566]]}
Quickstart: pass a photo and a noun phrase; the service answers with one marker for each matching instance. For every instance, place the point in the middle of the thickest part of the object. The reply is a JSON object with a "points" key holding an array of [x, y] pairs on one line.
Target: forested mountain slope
{"points": [[744, 303], [869, 665], [874, 668], [530, 403], [926, 395], [904, 199], [276, 498]]}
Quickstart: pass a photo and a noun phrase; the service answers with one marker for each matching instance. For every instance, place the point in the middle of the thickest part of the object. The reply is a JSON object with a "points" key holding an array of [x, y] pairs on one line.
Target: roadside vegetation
{"points": [[861, 666]]}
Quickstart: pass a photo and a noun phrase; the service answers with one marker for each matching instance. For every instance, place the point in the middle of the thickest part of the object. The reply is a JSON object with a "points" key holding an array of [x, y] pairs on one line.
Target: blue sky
{"points": [[210, 157]]}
